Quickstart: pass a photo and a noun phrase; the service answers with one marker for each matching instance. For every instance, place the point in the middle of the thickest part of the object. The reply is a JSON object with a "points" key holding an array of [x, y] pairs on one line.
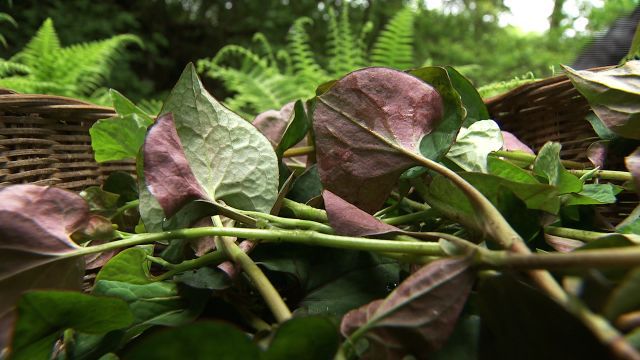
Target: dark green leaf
{"points": [[201, 341], [438, 142], [464, 341], [306, 186], [123, 184], [471, 99], [204, 278], [43, 315], [312, 338], [548, 166], [613, 95], [100, 201], [600, 128], [625, 298], [296, 129]]}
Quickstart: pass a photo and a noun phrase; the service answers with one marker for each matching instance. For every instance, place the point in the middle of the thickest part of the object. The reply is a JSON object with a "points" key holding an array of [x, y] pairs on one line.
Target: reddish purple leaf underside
{"points": [[633, 165], [420, 314], [512, 143], [166, 169], [35, 227], [346, 219], [355, 123]]}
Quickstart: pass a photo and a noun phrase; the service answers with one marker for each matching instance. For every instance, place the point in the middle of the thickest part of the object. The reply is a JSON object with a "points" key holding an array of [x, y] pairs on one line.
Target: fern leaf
{"points": [[262, 40], [44, 43], [8, 68], [343, 55], [307, 70], [394, 46]]}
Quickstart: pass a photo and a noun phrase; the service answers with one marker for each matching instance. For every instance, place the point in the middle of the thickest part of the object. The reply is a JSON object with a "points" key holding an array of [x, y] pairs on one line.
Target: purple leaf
{"points": [[420, 314], [512, 143], [597, 153], [35, 227], [366, 127], [633, 165], [166, 169], [346, 219]]}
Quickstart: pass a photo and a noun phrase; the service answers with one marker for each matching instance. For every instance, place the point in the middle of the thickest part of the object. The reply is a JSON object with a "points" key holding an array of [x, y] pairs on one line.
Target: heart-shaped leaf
{"points": [[420, 314], [365, 125], [229, 158], [548, 165], [473, 145], [613, 95]]}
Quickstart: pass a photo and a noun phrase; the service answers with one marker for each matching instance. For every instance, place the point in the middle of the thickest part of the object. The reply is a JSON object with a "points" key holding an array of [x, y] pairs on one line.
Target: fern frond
{"points": [[264, 43], [304, 64], [4, 17], [287, 66], [394, 46], [44, 43], [8, 68], [343, 55]]}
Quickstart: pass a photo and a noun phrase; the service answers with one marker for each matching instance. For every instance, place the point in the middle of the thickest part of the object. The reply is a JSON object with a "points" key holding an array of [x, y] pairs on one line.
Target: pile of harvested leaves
{"points": [[386, 217]]}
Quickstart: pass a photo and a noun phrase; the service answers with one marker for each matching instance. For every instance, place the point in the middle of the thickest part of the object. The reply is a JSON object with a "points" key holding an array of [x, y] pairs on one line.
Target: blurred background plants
{"points": [[256, 58]]}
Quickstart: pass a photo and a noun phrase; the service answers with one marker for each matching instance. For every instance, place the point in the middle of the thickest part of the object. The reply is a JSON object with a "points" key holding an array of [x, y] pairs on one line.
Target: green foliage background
{"points": [[464, 33]]}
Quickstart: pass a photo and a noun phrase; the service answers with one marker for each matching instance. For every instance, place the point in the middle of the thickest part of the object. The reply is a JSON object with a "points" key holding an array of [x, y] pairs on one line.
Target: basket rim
{"points": [[41, 103]]}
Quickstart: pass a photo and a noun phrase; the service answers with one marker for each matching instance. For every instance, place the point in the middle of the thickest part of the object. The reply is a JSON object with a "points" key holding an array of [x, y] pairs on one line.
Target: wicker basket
{"points": [[45, 140], [553, 110]]}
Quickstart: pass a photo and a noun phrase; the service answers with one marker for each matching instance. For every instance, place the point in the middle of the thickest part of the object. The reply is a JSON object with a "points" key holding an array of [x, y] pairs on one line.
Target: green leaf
{"points": [[119, 137], [473, 145], [201, 341], [471, 99], [509, 171], [296, 129], [438, 142], [625, 297], [464, 341], [548, 166], [124, 106], [600, 128], [158, 303], [204, 278], [123, 184], [229, 157], [595, 194], [100, 202], [43, 315], [130, 266], [613, 95], [151, 212], [312, 338], [306, 186]]}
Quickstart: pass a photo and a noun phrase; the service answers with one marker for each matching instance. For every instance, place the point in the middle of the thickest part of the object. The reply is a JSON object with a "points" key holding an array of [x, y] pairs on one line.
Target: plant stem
{"points": [[408, 218], [292, 223], [129, 205], [297, 151], [530, 158], [582, 235], [270, 295], [596, 258], [605, 174], [411, 203], [213, 258], [303, 211]]}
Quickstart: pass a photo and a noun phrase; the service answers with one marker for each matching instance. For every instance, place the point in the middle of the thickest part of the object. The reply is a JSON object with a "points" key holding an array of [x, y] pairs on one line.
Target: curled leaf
{"points": [[473, 145], [633, 164], [365, 125], [420, 314]]}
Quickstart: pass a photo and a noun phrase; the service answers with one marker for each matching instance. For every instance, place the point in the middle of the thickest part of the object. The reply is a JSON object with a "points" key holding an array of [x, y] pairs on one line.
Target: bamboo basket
{"points": [[45, 140], [553, 110]]}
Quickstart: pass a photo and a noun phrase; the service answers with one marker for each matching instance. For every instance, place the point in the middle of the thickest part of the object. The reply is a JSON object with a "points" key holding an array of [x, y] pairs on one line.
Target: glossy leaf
{"points": [[130, 266], [509, 171], [365, 125], [347, 219], [43, 315], [420, 314], [438, 142], [306, 186], [312, 338], [613, 96], [548, 166], [296, 130], [202, 340], [230, 159], [473, 145], [157, 303], [471, 99]]}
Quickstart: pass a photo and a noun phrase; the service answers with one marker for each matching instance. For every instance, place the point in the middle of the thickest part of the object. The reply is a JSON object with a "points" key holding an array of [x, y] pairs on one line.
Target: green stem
{"points": [[303, 211], [530, 158], [297, 151], [625, 257], [291, 223], [582, 235], [606, 174], [212, 258], [411, 203], [270, 295], [129, 205], [409, 218]]}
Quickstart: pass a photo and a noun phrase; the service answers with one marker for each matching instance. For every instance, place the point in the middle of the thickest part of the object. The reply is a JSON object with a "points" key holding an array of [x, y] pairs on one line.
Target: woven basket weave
{"points": [[45, 140]]}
